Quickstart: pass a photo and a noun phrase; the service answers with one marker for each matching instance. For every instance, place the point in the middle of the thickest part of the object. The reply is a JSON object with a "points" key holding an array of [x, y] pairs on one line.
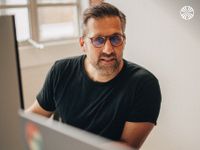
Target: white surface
{"points": [[159, 39]]}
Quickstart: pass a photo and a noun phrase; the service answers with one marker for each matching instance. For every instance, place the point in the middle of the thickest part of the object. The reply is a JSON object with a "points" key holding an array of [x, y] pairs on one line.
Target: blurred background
{"points": [[158, 38]]}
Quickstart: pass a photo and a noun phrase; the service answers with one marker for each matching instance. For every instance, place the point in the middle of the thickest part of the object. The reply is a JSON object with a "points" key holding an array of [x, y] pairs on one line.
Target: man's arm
{"points": [[36, 108], [135, 133]]}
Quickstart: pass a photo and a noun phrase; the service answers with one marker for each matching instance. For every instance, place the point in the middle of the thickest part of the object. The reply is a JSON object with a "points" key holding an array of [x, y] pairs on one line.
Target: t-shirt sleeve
{"points": [[146, 104], [46, 97]]}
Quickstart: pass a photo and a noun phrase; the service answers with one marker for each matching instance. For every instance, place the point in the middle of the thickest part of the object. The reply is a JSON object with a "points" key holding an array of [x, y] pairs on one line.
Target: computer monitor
{"points": [[26, 131], [10, 85], [40, 133]]}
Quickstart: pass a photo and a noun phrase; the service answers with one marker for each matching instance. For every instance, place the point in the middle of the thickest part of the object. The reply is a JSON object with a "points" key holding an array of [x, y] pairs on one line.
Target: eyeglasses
{"points": [[115, 40]]}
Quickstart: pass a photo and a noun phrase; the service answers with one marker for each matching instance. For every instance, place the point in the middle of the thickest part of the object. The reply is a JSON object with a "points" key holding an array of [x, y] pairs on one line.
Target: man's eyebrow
{"points": [[116, 33]]}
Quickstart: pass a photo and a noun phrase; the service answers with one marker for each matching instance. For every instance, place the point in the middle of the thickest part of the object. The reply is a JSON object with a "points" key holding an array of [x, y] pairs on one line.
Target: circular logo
{"points": [[187, 12]]}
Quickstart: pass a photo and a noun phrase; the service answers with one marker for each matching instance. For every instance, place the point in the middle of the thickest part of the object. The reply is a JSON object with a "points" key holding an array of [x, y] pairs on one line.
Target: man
{"points": [[100, 91]]}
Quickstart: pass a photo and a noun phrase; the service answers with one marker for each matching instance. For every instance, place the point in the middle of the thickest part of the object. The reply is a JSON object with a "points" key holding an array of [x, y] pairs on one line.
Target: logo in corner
{"points": [[187, 12]]}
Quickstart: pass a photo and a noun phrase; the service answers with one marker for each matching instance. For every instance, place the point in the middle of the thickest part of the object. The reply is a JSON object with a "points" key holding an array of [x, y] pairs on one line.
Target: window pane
{"points": [[55, 1], [13, 2], [21, 21], [57, 22]]}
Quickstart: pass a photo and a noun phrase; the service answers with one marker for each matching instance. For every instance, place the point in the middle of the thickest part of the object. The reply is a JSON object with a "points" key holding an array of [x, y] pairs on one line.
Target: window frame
{"points": [[32, 6]]}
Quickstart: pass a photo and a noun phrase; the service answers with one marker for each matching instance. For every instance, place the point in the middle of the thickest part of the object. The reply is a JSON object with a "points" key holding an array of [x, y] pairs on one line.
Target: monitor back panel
{"points": [[9, 86], [44, 134]]}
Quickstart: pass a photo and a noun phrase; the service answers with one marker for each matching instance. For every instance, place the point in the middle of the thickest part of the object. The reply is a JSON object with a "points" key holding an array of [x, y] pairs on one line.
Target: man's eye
{"points": [[99, 40], [116, 39]]}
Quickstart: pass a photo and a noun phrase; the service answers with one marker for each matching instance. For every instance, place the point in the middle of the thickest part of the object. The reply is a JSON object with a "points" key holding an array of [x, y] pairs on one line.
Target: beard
{"points": [[107, 64]]}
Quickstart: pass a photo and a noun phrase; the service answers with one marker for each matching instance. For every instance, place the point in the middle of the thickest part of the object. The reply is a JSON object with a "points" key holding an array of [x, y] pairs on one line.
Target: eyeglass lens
{"points": [[115, 40]]}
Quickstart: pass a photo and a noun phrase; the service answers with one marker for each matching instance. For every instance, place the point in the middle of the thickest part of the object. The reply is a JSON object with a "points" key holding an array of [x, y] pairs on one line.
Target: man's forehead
{"points": [[104, 26]]}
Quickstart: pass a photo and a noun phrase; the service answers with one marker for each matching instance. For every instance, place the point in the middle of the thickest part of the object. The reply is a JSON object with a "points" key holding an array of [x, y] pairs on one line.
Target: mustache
{"points": [[104, 55]]}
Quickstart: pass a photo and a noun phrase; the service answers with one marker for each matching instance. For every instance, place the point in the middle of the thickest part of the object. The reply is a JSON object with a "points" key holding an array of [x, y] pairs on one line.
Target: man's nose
{"points": [[108, 48]]}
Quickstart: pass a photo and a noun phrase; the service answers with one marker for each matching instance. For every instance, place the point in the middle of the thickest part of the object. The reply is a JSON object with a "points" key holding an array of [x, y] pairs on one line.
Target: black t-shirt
{"points": [[102, 108]]}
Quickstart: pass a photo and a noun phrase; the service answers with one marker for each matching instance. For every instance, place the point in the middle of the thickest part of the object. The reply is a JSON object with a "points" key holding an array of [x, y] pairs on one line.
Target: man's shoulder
{"points": [[69, 61], [139, 72]]}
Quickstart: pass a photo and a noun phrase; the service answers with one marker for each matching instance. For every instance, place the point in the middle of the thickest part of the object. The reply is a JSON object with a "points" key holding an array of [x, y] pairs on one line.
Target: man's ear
{"points": [[82, 43]]}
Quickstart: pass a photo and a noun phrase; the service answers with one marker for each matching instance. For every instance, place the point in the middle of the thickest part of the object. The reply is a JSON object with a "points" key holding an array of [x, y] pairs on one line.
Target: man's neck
{"points": [[97, 75]]}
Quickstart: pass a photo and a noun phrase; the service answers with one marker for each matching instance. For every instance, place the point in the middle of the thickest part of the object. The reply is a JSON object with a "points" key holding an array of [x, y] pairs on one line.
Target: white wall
{"points": [[159, 39]]}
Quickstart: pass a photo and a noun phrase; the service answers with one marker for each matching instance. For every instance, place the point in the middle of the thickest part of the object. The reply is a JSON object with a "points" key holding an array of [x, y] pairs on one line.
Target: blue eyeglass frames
{"points": [[115, 40]]}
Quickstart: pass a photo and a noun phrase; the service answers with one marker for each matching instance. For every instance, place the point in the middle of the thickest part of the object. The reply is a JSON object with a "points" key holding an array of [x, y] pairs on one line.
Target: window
{"points": [[43, 20]]}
